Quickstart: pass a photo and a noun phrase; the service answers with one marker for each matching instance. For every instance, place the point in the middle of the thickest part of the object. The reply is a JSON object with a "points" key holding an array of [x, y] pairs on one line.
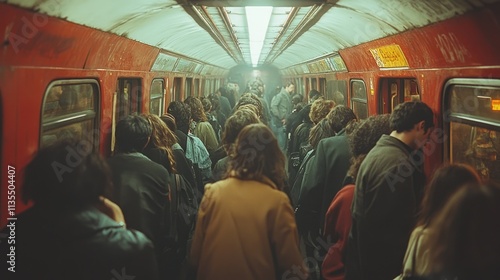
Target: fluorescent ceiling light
{"points": [[258, 21]]}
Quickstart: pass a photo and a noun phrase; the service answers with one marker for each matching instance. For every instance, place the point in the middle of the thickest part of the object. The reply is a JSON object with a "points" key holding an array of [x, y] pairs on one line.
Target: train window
{"points": [[336, 90], [70, 111], [396, 91], [359, 101], [472, 114], [129, 99], [157, 94]]}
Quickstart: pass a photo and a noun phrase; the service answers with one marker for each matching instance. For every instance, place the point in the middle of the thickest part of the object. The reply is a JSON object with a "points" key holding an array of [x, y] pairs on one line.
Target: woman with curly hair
{"points": [[159, 147], [245, 227], [200, 126]]}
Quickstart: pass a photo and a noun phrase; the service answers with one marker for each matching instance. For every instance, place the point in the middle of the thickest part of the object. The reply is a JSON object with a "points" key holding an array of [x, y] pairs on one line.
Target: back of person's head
{"points": [[464, 241], [338, 98], [132, 134], [363, 138], [197, 111], [320, 131], [66, 175], [313, 95], [206, 103], [234, 124], [256, 154], [339, 117], [406, 115], [162, 138], [319, 109], [296, 99], [444, 183], [169, 120], [181, 113], [161, 135], [214, 101], [251, 99]]}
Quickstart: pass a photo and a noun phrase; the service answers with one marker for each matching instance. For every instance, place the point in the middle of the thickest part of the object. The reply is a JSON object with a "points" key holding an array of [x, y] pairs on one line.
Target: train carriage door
{"points": [[359, 100], [471, 118], [396, 91], [156, 97]]}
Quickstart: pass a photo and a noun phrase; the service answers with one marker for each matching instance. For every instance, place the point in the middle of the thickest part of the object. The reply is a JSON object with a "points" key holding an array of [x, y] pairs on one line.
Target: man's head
{"points": [[290, 87], [313, 95], [132, 134], [415, 119], [339, 117]]}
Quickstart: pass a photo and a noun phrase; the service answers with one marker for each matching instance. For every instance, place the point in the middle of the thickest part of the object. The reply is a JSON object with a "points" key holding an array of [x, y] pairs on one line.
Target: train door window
{"points": [[472, 119], [359, 101], [396, 91], [129, 98], [336, 91], [188, 89], [157, 97], [69, 110], [177, 85]]}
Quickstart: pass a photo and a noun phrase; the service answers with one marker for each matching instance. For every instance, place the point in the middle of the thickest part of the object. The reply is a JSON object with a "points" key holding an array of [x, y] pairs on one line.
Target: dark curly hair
{"points": [[320, 109], [181, 113], [256, 155], [364, 137], [339, 117], [406, 115]]}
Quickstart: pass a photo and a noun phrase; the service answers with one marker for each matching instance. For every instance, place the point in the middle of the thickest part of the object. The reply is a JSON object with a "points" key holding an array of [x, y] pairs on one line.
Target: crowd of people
{"points": [[290, 187]]}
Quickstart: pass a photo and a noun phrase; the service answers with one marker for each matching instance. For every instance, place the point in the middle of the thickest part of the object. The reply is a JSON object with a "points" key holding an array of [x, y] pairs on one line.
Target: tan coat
{"points": [[246, 230]]}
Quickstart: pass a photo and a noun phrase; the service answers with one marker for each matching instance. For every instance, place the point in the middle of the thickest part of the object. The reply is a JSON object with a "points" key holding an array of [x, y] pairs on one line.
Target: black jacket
{"points": [[141, 191], [383, 211], [325, 175], [79, 244]]}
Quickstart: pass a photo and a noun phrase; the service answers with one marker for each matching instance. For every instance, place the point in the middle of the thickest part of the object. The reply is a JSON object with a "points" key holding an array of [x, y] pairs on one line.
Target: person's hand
{"points": [[111, 209], [283, 121]]}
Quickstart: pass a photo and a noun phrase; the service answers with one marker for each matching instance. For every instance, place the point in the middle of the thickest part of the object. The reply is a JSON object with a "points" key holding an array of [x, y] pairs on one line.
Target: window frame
{"points": [[74, 117], [161, 96], [357, 99]]}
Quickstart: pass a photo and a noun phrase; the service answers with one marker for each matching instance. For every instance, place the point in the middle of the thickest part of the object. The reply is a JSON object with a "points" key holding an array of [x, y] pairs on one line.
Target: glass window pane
{"points": [[358, 90], [481, 102], [476, 146], [70, 111]]}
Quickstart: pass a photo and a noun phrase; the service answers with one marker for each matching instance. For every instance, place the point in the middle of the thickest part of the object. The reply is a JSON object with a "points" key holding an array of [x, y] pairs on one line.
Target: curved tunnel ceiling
{"points": [[217, 35]]}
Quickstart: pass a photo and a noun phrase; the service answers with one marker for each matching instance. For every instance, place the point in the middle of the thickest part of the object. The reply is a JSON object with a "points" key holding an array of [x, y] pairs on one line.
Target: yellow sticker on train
{"points": [[390, 56], [495, 104]]}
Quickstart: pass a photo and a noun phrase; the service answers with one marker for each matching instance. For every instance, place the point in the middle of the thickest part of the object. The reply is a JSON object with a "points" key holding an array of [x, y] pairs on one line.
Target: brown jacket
{"points": [[246, 230]]}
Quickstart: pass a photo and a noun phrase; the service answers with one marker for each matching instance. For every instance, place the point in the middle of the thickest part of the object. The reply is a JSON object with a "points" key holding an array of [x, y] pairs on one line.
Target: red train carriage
{"points": [[63, 73]]}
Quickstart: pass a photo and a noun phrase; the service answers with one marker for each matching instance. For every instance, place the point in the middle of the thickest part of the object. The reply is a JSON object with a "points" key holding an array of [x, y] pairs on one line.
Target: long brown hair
{"points": [[464, 241], [162, 138], [444, 183], [256, 154]]}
